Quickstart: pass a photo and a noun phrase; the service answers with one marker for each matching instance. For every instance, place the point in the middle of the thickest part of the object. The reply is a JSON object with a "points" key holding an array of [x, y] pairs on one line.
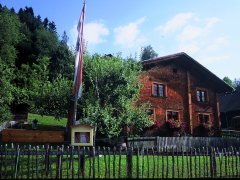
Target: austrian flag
{"points": [[79, 57]]}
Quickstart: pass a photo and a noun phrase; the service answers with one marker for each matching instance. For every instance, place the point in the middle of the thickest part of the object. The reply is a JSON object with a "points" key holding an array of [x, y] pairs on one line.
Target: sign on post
{"points": [[82, 135]]}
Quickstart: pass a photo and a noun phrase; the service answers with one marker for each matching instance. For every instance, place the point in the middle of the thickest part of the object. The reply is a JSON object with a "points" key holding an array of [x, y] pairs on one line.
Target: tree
{"points": [[9, 37], [46, 42], [228, 81], [52, 27], [148, 53], [34, 64], [52, 98], [45, 23], [6, 90], [65, 38], [43, 96], [62, 61], [27, 16], [110, 92], [236, 83]]}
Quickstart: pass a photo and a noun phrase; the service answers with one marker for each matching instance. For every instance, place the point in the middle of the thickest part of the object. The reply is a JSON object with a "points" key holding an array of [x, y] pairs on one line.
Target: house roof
{"points": [[229, 101], [187, 62]]}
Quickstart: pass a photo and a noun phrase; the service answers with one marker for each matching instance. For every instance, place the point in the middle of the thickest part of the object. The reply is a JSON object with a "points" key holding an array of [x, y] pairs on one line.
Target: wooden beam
{"points": [[189, 102]]}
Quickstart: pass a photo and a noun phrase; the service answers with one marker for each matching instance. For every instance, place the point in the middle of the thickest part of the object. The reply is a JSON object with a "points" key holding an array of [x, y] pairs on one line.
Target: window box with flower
{"points": [[208, 127], [173, 124], [205, 125], [177, 126]]}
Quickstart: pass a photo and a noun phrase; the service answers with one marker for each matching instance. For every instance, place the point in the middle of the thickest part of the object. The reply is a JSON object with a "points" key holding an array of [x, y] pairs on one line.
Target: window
{"points": [[159, 90], [172, 115], [150, 112], [203, 118], [82, 137], [201, 96]]}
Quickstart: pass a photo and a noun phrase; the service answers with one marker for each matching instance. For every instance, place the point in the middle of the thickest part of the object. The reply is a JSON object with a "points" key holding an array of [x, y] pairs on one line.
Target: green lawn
{"points": [[47, 120], [114, 166]]}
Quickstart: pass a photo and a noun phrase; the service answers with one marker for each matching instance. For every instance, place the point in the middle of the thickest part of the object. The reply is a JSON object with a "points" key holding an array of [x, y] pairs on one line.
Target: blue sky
{"points": [[207, 30]]}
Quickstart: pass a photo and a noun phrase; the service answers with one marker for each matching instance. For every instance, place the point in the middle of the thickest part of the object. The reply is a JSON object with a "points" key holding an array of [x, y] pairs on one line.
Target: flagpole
{"points": [[77, 88], [79, 64], [75, 112]]}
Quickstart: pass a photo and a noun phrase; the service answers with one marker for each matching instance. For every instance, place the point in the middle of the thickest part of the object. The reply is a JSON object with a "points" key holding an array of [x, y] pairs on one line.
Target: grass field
{"points": [[116, 167], [47, 120]]}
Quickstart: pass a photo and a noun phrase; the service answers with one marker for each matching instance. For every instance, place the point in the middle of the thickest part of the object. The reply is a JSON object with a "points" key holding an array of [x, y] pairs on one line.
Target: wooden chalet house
{"points": [[178, 87]]}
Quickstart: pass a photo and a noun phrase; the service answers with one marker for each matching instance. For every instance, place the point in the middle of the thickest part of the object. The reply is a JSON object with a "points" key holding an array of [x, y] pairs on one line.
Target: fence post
{"points": [[36, 162], [47, 160], [173, 163], [59, 163], [28, 161], [1, 160], [93, 166], [137, 169], [17, 162], [71, 161], [119, 162], [82, 162], [153, 155], [213, 169], [142, 153], [129, 162], [109, 164]]}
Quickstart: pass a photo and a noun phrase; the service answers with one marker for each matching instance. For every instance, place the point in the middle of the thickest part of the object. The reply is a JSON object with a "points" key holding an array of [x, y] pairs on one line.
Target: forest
{"points": [[34, 61]]}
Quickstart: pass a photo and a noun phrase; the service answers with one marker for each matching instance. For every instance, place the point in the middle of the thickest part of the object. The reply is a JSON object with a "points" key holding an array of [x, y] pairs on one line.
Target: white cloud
{"points": [[94, 33], [212, 21], [177, 22], [213, 59], [129, 35], [190, 32], [189, 48], [196, 37], [217, 43]]}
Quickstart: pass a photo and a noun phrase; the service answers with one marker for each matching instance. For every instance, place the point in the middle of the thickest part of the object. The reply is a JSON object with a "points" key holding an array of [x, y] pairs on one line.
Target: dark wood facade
{"points": [[230, 110], [177, 84]]}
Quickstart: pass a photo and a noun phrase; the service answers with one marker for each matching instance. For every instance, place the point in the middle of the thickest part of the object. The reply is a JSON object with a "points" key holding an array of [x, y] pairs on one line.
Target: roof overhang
{"points": [[187, 62]]}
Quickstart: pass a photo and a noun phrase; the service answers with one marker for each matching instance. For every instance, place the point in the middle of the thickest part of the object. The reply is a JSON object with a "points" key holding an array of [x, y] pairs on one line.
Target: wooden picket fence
{"points": [[230, 133], [194, 142], [31, 162]]}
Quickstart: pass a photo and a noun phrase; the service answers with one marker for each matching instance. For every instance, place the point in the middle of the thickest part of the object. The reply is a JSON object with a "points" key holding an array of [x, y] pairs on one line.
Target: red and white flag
{"points": [[79, 57]]}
